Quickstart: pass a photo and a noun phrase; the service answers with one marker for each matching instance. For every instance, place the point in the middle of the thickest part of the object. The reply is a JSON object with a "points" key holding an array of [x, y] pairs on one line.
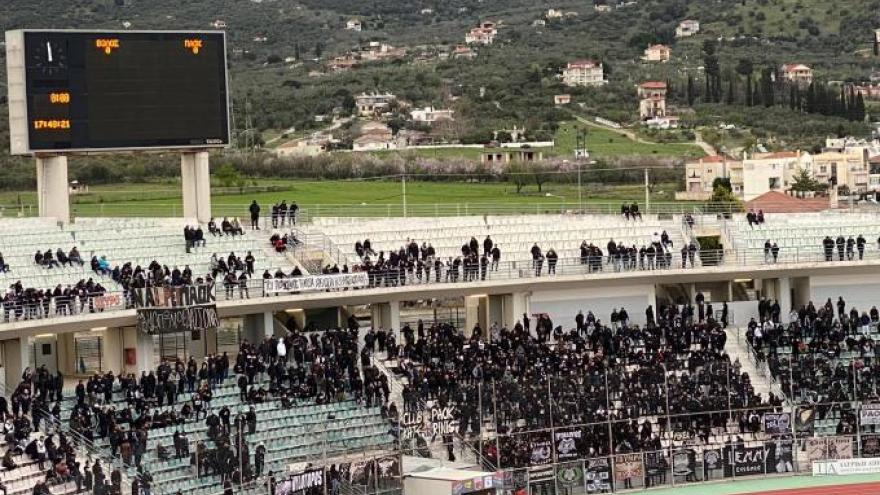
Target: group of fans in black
{"points": [[626, 385]]}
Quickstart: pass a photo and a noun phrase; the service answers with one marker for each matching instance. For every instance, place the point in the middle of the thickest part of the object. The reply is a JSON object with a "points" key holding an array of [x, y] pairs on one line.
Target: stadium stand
{"points": [[157, 246], [803, 234]]}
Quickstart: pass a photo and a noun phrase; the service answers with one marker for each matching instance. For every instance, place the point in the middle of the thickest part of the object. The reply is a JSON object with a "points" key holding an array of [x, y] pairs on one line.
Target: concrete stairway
{"points": [[738, 348]]}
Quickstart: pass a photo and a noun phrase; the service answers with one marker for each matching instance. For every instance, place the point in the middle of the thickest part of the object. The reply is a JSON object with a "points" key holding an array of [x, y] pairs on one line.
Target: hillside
{"points": [[511, 82]]}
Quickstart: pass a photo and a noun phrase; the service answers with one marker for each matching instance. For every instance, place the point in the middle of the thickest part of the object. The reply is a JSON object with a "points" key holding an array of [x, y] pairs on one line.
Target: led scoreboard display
{"points": [[77, 91]]}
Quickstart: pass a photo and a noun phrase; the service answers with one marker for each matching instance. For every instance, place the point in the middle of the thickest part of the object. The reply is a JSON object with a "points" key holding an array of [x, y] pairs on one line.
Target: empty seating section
{"points": [[302, 433], [120, 240], [803, 232], [514, 234]]}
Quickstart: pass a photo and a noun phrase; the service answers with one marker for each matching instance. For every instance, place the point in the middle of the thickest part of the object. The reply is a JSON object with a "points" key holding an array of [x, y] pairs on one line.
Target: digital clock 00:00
{"points": [[51, 124]]}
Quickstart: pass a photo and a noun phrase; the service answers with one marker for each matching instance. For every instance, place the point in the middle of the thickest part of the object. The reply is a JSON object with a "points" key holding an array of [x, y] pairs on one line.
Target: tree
{"points": [[540, 174], [803, 182], [745, 67], [228, 176], [518, 174], [722, 182], [690, 91]]}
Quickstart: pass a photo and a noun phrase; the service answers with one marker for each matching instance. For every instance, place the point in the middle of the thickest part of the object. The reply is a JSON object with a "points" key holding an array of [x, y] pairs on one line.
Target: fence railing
{"points": [[527, 269], [307, 212]]}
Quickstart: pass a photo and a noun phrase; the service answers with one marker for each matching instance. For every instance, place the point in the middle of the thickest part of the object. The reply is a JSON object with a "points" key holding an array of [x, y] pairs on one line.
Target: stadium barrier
{"points": [[110, 301]]}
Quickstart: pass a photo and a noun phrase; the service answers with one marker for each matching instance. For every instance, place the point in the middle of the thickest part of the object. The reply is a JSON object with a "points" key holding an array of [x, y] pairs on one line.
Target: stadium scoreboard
{"points": [[97, 91]]}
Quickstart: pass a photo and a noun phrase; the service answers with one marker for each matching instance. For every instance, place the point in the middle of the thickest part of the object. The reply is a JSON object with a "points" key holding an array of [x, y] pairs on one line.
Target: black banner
{"points": [[777, 423], [361, 472], [713, 460], [805, 421], [307, 482], [870, 445], [747, 461], [541, 448], [570, 474], [598, 475], [175, 320], [174, 297], [780, 456], [568, 443], [684, 462], [388, 467]]}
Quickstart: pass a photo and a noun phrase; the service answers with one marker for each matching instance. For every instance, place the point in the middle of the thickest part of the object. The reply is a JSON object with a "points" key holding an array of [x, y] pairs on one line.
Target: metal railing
{"points": [[307, 212], [525, 269]]}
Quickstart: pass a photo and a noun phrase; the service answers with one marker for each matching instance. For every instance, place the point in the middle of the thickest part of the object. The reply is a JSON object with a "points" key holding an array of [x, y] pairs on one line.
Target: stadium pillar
{"points": [[476, 311], [385, 315], [16, 357], [783, 295], [196, 179], [514, 306], [52, 188]]}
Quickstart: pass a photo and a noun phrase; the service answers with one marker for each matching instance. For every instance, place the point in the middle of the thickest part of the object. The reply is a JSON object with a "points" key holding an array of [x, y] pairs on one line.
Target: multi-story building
{"points": [[798, 74], [484, 34], [369, 105], [652, 100], [688, 27], [657, 53], [583, 73], [700, 176]]}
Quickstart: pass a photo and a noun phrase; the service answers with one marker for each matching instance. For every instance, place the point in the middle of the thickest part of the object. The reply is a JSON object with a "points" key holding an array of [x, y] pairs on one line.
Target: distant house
{"points": [[484, 34], [219, 24], [559, 100], [77, 187], [341, 64], [374, 136], [465, 52], [688, 27], [583, 73], [373, 104], [261, 39], [868, 91], [700, 176], [312, 146], [539, 22], [506, 155], [553, 14], [652, 100], [354, 25], [798, 74], [601, 6], [375, 50], [657, 53], [429, 115]]}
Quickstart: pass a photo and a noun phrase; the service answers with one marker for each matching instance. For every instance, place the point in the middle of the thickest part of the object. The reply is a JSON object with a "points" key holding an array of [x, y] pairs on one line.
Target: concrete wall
{"points": [[563, 305], [859, 291]]}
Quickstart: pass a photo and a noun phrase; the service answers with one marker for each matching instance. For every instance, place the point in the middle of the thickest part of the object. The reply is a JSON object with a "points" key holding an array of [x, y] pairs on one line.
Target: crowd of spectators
{"points": [[126, 410], [819, 355], [638, 382], [39, 440]]}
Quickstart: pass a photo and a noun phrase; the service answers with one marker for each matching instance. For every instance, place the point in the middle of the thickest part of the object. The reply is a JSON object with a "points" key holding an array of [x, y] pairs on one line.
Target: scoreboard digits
{"points": [[96, 91]]}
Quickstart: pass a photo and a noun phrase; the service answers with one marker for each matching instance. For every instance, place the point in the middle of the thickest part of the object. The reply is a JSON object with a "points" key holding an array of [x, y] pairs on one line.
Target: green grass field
{"points": [[602, 143], [606, 143], [374, 196]]}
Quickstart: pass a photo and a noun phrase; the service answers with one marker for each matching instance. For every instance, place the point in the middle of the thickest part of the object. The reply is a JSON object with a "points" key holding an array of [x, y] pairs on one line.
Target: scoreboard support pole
{"points": [[52, 188], [196, 178]]}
